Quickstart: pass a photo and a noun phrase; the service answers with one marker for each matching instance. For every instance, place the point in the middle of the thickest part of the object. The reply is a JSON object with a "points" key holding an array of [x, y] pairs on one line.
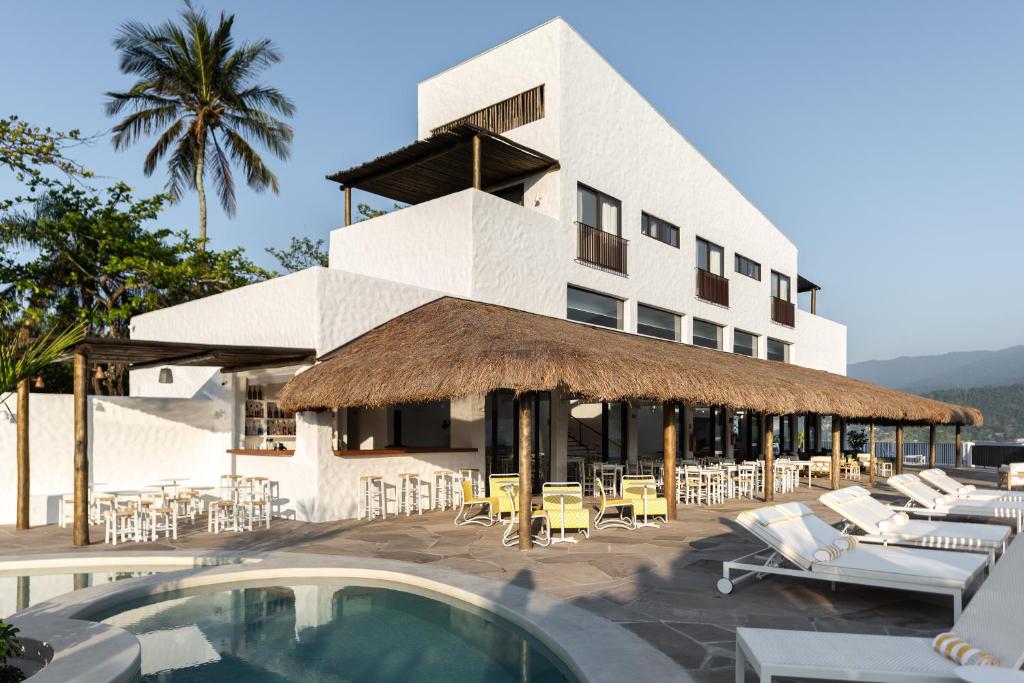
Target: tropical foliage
{"points": [[23, 361], [196, 90], [10, 646], [302, 253], [32, 154]]}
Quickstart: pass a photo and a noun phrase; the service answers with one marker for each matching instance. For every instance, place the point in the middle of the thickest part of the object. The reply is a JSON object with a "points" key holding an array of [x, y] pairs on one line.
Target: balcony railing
{"points": [[712, 287], [601, 248], [783, 312]]}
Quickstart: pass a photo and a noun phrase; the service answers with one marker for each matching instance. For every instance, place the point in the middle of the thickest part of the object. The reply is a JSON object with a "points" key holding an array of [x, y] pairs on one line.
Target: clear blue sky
{"points": [[885, 138]]}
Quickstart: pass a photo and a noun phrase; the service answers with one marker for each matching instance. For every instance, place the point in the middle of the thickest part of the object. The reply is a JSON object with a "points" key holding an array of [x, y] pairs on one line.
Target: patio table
{"points": [[644, 496], [802, 464], [561, 502]]}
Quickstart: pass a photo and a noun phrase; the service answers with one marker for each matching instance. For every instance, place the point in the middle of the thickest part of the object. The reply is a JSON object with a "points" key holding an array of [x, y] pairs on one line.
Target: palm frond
{"points": [[257, 175], [163, 143], [223, 182], [17, 363]]}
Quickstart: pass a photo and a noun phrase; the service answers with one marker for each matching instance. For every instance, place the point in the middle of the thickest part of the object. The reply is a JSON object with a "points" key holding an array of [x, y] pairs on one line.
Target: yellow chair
{"points": [[511, 535], [563, 501], [496, 484], [484, 516], [643, 492], [610, 504]]}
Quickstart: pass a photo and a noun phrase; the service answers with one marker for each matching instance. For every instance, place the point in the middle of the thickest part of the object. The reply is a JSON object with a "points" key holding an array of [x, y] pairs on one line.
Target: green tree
{"points": [[95, 262], [302, 253], [31, 153], [198, 91]]}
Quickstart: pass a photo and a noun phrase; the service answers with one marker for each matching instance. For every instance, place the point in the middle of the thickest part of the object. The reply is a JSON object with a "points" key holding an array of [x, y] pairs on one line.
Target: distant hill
{"points": [[962, 369], [1003, 408]]}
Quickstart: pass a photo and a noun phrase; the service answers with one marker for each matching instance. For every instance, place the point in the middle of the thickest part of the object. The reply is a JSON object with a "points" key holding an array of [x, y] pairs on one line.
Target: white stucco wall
{"points": [[133, 442], [822, 343]]}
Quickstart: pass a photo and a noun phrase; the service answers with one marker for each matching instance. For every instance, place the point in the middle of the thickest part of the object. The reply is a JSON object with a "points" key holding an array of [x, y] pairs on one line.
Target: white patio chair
{"points": [[882, 524], [989, 622], [934, 503], [940, 480], [793, 535]]}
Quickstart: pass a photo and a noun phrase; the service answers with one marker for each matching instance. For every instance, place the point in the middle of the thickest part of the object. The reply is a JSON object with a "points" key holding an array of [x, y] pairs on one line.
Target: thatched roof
{"points": [[451, 348]]}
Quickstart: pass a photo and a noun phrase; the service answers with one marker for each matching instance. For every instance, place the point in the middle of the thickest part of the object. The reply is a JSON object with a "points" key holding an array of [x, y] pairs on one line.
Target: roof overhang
{"points": [[139, 354], [443, 164], [804, 285]]}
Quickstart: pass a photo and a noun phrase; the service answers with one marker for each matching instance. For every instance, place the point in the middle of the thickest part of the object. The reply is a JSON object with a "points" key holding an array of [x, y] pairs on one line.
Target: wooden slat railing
{"points": [[712, 287], [783, 312], [601, 248]]}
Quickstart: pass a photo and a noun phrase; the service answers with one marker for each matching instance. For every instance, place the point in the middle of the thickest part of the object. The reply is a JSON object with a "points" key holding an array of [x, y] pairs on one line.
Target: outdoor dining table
{"points": [[644, 496], [561, 502], [803, 464]]}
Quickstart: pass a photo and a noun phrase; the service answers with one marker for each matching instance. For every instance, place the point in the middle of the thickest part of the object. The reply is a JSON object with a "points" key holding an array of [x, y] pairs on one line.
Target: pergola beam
{"points": [[80, 535]]}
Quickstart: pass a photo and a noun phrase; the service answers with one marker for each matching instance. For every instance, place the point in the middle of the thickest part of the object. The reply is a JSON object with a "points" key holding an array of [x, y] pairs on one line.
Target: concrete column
{"points": [[468, 427], [559, 436], [373, 428], [318, 492]]}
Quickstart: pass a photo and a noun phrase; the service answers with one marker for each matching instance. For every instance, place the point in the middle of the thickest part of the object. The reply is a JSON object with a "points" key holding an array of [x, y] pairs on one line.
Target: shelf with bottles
{"points": [[264, 418]]}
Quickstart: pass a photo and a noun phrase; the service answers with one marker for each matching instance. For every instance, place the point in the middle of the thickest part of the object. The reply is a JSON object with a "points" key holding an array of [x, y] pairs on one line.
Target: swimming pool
{"points": [[327, 631], [22, 590]]}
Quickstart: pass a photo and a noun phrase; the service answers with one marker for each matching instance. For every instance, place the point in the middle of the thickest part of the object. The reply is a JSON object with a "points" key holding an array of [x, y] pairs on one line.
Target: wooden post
{"points": [[767, 443], [959, 447], [837, 446], [80, 535], [23, 459], [348, 204], [931, 446], [525, 474], [872, 465], [668, 422], [898, 467], [794, 428], [477, 169], [814, 301]]}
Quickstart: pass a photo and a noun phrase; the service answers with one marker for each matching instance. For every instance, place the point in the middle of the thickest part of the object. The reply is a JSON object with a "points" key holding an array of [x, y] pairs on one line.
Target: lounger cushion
{"points": [[953, 647], [922, 566]]}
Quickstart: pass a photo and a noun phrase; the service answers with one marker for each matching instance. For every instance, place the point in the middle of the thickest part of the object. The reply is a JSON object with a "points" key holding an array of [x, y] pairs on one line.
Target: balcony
{"points": [[783, 312], [712, 287], [601, 248]]}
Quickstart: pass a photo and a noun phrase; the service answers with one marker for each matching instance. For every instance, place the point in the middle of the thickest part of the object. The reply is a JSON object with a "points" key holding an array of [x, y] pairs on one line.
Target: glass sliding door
{"points": [[501, 416]]}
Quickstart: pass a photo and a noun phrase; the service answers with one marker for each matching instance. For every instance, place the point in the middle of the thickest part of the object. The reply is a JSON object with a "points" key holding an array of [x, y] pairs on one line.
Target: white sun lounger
{"points": [[934, 503], [942, 481], [989, 622], [793, 533], [882, 524]]}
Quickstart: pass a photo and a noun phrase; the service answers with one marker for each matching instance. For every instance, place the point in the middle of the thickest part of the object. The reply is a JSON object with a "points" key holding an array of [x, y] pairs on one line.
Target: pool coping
{"points": [[594, 649]]}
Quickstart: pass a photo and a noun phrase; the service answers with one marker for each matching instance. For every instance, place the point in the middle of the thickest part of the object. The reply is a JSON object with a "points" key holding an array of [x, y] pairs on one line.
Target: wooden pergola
{"points": [[447, 162], [139, 354]]}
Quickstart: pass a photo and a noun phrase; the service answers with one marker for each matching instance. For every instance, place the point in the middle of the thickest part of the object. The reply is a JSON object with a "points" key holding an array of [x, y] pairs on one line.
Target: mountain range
{"points": [[957, 370]]}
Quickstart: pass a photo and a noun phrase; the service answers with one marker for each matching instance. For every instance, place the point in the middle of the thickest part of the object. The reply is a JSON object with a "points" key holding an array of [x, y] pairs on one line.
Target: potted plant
{"points": [[10, 646]]}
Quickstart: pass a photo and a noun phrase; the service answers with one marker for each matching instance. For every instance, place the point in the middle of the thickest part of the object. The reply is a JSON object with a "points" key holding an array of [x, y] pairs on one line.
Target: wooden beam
{"points": [[959, 447], [668, 422], [872, 465], [348, 204], [477, 167], [525, 474], [837, 447], [931, 446], [898, 467], [23, 458], [767, 447], [80, 534]]}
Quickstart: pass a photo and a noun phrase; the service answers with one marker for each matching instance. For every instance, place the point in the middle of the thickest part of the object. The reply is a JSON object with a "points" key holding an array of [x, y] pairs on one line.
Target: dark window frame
{"points": [[645, 220], [597, 209], [677, 322], [750, 261], [754, 338], [789, 285], [709, 244], [619, 308], [785, 349], [720, 334]]}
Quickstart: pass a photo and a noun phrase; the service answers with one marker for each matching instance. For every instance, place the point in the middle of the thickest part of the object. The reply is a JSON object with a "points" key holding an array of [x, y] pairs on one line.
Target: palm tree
{"points": [[198, 90]]}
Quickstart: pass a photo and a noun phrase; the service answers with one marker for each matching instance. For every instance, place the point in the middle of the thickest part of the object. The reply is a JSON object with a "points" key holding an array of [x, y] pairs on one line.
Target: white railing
{"points": [[916, 453]]}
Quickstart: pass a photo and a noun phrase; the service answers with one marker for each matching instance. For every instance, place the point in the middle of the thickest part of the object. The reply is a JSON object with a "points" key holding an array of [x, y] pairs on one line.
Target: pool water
{"points": [[327, 632], [18, 592]]}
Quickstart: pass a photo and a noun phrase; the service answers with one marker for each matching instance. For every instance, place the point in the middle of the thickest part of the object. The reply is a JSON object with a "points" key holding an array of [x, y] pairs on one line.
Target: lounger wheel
{"points": [[725, 586]]}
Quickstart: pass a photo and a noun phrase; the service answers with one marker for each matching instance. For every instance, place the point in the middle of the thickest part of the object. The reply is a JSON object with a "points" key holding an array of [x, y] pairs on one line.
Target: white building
{"points": [[585, 204]]}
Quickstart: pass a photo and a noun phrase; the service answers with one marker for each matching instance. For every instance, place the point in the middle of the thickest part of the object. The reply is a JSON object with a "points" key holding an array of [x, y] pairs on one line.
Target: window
{"points": [[512, 193], [708, 335], [596, 309], [655, 322], [778, 350], [598, 210], [780, 286], [744, 343], [745, 266], [710, 257], [659, 230]]}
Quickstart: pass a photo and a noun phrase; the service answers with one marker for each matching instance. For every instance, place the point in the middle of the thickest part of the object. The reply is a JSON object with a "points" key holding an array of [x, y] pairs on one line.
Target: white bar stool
{"points": [[444, 489], [407, 496], [476, 482], [374, 502]]}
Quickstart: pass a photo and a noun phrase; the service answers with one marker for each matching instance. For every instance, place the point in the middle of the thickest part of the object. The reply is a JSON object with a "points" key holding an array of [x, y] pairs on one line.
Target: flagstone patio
{"points": [[657, 582]]}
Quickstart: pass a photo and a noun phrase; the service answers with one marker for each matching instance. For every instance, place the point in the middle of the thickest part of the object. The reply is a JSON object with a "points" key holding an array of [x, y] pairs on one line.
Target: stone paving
{"points": [[657, 582]]}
